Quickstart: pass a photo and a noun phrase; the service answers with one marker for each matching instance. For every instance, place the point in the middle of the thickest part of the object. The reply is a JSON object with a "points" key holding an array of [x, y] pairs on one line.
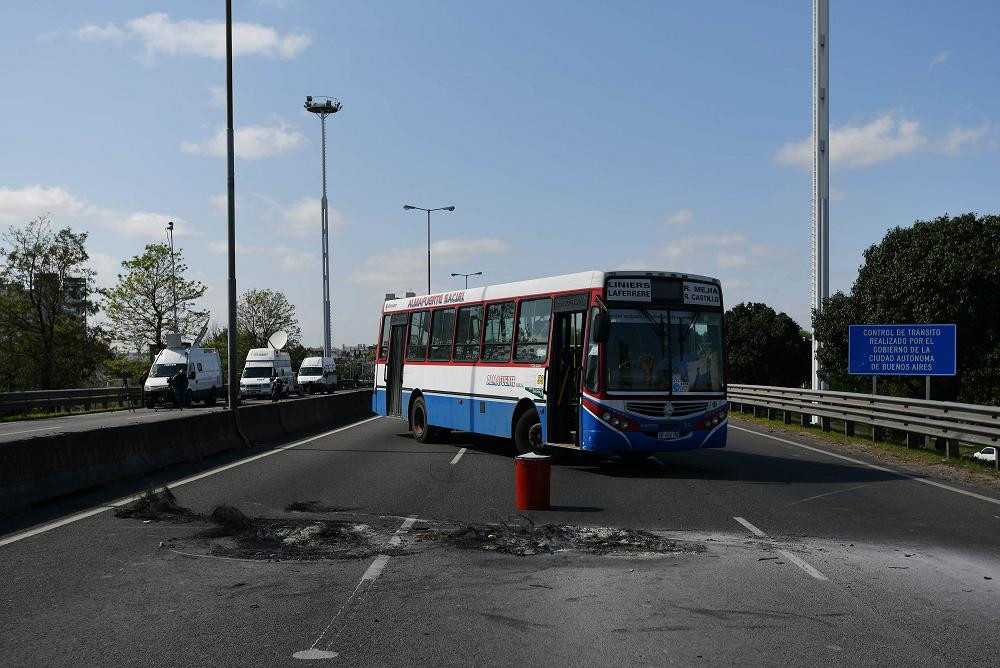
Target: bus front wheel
{"points": [[422, 432], [528, 433]]}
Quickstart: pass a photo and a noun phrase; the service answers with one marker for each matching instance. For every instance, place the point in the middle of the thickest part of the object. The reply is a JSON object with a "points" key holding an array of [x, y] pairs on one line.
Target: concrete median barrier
{"points": [[36, 469]]}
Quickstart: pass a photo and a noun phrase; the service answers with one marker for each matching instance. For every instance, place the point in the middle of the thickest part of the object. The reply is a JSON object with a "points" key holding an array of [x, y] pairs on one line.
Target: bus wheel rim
{"points": [[535, 435]]}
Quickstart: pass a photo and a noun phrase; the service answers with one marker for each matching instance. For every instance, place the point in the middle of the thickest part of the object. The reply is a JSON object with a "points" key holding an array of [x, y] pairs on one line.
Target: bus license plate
{"points": [[669, 434]]}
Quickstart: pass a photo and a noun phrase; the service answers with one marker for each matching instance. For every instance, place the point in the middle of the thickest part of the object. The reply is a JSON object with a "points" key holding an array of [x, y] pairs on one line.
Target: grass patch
{"points": [[893, 443]]}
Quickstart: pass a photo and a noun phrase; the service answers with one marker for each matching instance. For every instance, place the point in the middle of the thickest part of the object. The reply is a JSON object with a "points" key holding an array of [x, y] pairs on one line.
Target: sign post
{"points": [[903, 350]]}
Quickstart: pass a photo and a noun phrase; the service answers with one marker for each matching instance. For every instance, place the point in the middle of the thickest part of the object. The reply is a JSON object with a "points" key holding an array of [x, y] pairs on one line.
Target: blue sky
{"points": [[568, 135]]}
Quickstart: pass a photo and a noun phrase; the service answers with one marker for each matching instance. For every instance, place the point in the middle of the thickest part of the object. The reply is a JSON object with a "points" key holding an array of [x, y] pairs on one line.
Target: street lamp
{"points": [[323, 108], [173, 270], [407, 207], [478, 273]]}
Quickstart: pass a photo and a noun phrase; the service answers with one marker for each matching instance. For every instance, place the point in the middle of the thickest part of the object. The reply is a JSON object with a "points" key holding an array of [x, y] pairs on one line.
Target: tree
{"points": [[765, 347], [218, 338], [141, 306], [44, 303], [261, 313], [941, 271]]}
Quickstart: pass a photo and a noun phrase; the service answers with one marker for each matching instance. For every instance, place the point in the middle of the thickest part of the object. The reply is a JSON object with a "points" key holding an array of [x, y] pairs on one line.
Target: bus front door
{"points": [[394, 370], [565, 365]]}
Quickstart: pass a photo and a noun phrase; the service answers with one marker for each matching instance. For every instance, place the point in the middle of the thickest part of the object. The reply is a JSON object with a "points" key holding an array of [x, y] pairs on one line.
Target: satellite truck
{"points": [[264, 364], [202, 366], [318, 374]]}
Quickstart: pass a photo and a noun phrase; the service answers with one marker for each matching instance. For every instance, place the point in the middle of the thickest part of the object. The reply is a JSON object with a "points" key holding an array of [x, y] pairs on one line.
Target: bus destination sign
{"points": [[630, 290], [901, 350], [702, 293]]}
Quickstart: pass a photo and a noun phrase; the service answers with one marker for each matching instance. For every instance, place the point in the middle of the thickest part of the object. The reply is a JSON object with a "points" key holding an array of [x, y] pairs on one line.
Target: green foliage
{"points": [[942, 271], [218, 338], [119, 366], [261, 313], [765, 347], [140, 307], [45, 288]]}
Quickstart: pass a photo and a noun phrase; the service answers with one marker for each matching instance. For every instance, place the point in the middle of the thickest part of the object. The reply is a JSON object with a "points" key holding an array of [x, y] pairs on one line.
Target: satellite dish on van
{"points": [[278, 339]]}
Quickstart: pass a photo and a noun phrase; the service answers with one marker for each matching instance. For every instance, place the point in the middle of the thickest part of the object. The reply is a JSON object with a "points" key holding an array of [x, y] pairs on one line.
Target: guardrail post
{"points": [[786, 416], [877, 434], [824, 423], [951, 449], [848, 428], [804, 420], [914, 441]]}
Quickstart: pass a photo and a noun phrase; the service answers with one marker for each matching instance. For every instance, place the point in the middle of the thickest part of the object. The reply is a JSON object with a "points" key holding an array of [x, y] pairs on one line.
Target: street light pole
{"points": [[173, 271], [232, 382], [478, 273], [323, 109], [408, 207]]}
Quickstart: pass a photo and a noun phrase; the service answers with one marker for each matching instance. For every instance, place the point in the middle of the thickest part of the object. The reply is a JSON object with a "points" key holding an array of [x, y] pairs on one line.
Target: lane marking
{"points": [[754, 530], [96, 510], [25, 431], [820, 496], [798, 561], [458, 456], [802, 564], [58, 429], [933, 483], [367, 579]]}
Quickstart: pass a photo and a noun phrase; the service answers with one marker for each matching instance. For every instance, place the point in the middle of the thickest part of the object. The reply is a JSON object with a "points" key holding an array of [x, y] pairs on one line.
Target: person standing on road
{"points": [[179, 385], [142, 387]]}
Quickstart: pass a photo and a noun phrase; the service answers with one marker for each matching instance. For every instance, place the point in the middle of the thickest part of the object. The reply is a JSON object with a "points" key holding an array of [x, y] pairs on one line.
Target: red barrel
{"points": [[531, 474]]}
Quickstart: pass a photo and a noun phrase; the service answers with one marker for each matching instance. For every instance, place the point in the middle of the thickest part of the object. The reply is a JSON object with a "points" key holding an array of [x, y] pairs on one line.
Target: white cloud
{"points": [[958, 139], [21, 205], [402, 269], [250, 141], [940, 58], [217, 96], [730, 260], [148, 225], [95, 33], [302, 219], [859, 145], [684, 247], [159, 34], [292, 260], [679, 218], [106, 268], [883, 139]]}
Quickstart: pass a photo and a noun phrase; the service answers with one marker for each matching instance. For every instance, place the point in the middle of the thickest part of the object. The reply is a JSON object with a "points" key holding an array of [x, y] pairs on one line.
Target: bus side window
{"points": [[499, 332], [533, 330], [383, 348], [592, 374], [467, 333], [442, 331], [416, 348]]}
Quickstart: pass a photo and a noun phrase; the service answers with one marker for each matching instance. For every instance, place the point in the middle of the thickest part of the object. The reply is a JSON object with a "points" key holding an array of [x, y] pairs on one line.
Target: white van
{"points": [[318, 374], [261, 366], [202, 366]]}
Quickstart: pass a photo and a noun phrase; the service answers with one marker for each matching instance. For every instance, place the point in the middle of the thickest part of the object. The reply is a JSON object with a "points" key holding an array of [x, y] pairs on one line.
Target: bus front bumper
{"points": [[599, 436]]}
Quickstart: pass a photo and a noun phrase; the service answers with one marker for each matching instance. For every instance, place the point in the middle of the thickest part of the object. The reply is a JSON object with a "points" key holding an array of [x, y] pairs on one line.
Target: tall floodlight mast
{"points": [[821, 169], [323, 108]]}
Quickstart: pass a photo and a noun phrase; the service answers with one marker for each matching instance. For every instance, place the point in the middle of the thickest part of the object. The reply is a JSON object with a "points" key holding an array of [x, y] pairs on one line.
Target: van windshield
{"points": [[310, 371], [167, 370], [258, 372]]}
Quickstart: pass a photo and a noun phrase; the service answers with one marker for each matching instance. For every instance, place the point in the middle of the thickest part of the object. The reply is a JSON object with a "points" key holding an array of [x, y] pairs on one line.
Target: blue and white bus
{"points": [[623, 362]]}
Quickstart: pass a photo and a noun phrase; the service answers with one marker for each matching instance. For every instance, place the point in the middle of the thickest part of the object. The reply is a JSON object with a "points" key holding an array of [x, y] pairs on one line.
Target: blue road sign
{"points": [[902, 350]]}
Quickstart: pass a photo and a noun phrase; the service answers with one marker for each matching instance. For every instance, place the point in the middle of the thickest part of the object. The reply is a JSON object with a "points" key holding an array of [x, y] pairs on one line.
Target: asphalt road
{"points": [[778, 554], [21, 429]]}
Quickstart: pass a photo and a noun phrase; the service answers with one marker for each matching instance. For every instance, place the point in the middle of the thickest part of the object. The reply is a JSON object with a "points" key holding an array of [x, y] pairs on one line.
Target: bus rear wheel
{"points": [[422, 432], [528, 433]]}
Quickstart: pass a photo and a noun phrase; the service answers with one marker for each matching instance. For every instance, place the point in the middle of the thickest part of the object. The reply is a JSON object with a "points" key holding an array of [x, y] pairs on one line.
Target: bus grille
{"points": [[657, 408]]}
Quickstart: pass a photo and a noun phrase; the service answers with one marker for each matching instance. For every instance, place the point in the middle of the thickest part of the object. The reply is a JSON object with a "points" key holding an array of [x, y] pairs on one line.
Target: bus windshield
{"points": [[663, 350]]}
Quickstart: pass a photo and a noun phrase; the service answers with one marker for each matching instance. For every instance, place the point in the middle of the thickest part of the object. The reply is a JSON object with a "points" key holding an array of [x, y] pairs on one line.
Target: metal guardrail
{"points": [[949, 421], [14, 403]]}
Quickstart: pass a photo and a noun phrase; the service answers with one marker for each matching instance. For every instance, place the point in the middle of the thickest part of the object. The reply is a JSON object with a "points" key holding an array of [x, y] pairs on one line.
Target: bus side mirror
{"points": [[602, 328]]}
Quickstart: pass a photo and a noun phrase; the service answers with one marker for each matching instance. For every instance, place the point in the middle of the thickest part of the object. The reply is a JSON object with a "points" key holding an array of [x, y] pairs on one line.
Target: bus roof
{"points": [[585, 280]]}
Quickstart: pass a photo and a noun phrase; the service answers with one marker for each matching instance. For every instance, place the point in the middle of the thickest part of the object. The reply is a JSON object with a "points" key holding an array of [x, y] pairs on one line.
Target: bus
{"points": [[625, 362]]}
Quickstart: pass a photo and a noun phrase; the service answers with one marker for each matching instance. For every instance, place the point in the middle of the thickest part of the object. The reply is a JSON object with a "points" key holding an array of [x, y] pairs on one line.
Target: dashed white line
{"points": [[754, 530], [925, 481], [177, 483], [458, 456], [802, 564], [798, 561], [820, 496], [370, 575]]}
